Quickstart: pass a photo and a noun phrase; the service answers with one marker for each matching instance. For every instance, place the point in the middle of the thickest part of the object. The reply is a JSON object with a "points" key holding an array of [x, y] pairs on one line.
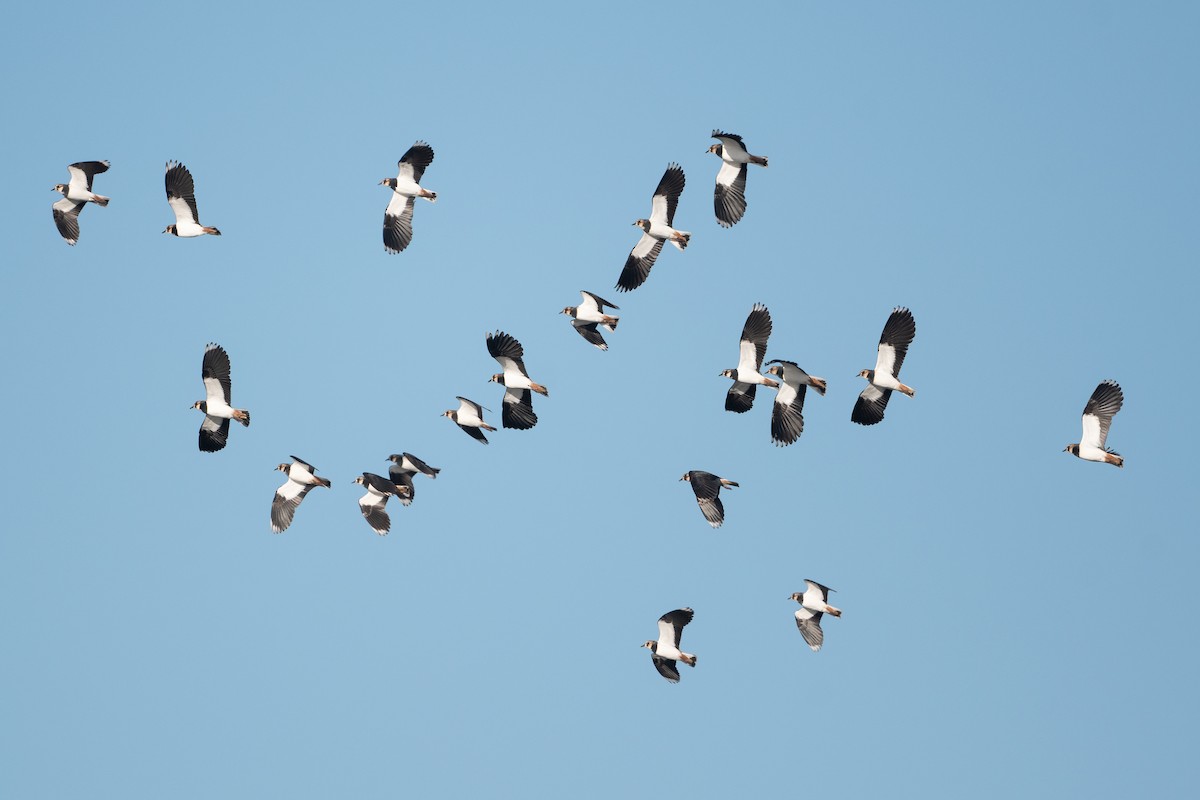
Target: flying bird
{"points": [[1098, 415], [787, 415], [898, 333], [665, 652], [469, 417], [729, 197], [301, 476], [752, 350], [181, 196], [75, 195], [589, 316], [214, 430], [655, 231], [404, 467], [373, 503], [517, 411], [397, 219], [813, 603], [707, 488]]}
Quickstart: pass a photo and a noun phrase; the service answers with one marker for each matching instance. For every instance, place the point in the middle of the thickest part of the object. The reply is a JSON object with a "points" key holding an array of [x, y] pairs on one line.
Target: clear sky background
{"points": [[1017, 622]]}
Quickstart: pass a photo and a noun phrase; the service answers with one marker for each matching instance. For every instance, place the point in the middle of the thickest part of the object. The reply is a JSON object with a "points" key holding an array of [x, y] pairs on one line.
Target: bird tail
{"points": [[1116, 459], [687, 658], [611, 323], [428, 195], [323, 482], [728, 483], [212, 231], [818, 384], [487, 427], [242, 416], [681, 239], [760, 160], [542, 390], [100, 199], [837, 612]]}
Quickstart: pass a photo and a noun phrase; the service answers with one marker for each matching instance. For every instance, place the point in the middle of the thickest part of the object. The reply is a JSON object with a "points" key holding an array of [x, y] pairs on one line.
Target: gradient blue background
{"points": [[1017, 622]]}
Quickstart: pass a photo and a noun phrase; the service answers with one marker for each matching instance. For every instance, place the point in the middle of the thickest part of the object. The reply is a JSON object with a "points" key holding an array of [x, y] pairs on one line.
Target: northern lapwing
{"points": [[518, 402], [181, 196], [898, 333], [665, 651], [787, 415], [655, 231], [404, 467], [751, 350], [75, 195], [373, 503], [469, 417], [397, 219], [301, 476], [707, 488], [589, 316], [814, 601], [1098, 415], [729, 197], [214, 371]]}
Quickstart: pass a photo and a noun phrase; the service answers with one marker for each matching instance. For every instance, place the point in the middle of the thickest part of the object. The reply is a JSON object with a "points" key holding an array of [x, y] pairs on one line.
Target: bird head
{"points": [[395, 459], [1073, 449], [170, 229], [61, 188], [284, 467], [775, 370], [644, 224], [728, 373], [452, 414], [651, 645], [569, 310], [202, 405], [716, 148], [391, 182], [497, 378], [359, 480], [687, 476], [867, 373], [797, 596]]}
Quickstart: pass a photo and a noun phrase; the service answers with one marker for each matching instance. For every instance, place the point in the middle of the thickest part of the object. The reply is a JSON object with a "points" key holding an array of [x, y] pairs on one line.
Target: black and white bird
{"points": [[373, 503], [181, 196], [787, 415], [707, 488], [751, 350], [75, 195], [729, 198], [404, 467], [656, 230], [813, 603], [469, 417], [214, 371], [397, 219], [589, 316], [1098, 415], [898, 333], [517, 411], [665, 651], [301, 476]]}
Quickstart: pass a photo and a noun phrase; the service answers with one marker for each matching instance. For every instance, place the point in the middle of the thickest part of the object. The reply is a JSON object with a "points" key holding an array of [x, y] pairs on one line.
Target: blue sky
{"points": [[1021, 175]]}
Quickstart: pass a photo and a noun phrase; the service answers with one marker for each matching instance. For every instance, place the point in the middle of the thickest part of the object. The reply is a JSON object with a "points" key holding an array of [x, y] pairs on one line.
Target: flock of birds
{"points": [[587, 318]]}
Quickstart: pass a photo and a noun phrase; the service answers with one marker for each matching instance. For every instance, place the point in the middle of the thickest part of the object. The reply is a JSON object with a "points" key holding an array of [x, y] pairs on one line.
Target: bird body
{"points": [[898, 333], [1098, 414], [181, 196], [301, 477], [657, 229], [729, 196], [215, 372], [665, 651]]}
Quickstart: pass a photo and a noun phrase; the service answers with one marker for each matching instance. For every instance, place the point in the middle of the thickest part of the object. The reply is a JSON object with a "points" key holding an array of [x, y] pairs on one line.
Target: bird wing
{"points": [[475, 433], [214, 433], [397, 223], [733, 144], [666, 196], [898, 333], [1098, 414], [820, 589], [871, 403], [596, 302], [755, 333], [469, 405], [740, 397], [666, 667], [508, 352], [66, 219], [372, 507], [287, 500], [420, 465], [303, 463], [517, 409], [414, 161], [809, 623], [82, 173], [729, 195], [590, 333], [787, 415], [403, 478], [181, 193], [707, 487], [671, 624], [215, 373], [637, 266]]}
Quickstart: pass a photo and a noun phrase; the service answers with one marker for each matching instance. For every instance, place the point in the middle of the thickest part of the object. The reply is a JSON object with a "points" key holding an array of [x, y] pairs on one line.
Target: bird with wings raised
{"points": [[814, 601], [75, 195], [301, 476], [729, 196], [406, 187], [787, 414], [589, 316], [1098, 415], [665, 651], [656, 230], [898, 333], [181, 196], [752, 349], [214, 371]]}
